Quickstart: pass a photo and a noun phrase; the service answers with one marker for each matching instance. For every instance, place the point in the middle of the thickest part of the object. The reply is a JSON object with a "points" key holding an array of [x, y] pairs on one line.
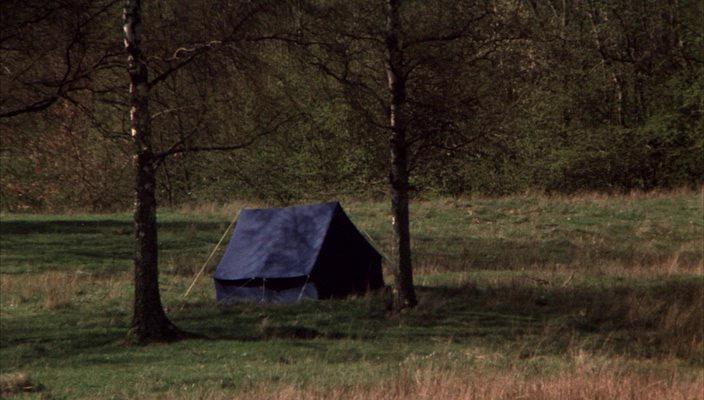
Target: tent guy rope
{"points": [[212, 253]]}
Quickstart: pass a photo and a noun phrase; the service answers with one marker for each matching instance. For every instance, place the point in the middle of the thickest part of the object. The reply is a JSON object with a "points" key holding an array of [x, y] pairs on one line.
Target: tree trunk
{"points": [[398, 177], [149, 322]]}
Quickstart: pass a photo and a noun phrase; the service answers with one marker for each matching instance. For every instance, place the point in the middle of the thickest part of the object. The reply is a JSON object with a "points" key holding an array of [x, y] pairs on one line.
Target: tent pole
{"points": [[300, 295], [212, 253]]}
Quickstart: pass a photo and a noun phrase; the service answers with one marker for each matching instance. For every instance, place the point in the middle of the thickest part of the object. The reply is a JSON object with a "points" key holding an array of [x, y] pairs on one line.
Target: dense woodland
{"points": [[291, 98]]}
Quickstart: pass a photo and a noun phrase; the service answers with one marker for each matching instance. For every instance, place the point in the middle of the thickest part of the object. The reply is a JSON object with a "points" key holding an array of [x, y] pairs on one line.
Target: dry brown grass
{"points": [[588, 381], [16, 382], [57, 289], [664, 319], [636, 267], [52, 289], [232, 207], [218, 209], [591, 196]]}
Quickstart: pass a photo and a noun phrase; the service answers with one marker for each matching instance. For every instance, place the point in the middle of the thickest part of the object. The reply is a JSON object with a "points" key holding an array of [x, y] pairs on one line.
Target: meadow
{"points": [[533, 296]]}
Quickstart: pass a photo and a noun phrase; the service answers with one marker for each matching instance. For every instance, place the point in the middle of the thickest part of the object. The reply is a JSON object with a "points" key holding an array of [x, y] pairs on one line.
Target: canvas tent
{"points": [[287, 254]]}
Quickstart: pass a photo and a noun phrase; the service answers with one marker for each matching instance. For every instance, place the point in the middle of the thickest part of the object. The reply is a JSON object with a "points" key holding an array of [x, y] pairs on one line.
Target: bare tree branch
{"points": [[40, 105], [181, 145]]}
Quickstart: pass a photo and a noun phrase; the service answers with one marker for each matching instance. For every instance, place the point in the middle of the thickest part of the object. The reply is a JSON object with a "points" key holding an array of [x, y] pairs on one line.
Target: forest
{"points": [[501, 97]]}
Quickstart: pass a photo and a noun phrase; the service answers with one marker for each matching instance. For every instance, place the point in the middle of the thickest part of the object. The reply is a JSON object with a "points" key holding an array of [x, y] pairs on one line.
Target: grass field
{"points": [[591, 297]]}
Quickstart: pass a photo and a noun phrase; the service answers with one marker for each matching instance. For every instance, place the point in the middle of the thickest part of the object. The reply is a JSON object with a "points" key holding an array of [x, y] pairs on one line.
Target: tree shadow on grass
{"points": [[545, 320], [30, 344], [632, 318]]}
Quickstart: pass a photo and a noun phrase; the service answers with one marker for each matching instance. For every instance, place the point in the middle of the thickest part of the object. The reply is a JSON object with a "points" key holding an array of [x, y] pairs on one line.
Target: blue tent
{"points": [[287, 254]]}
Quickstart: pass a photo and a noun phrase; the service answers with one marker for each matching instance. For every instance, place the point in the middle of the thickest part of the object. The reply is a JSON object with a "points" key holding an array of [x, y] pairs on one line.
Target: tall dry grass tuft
{"points": [[51, 290], [185, 265], [438, 384], [17, 382], [57, 289]]}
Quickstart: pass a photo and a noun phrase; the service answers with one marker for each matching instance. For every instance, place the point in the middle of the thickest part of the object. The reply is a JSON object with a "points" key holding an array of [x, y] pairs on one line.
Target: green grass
{"points": [[447, 234], [528, 283]]}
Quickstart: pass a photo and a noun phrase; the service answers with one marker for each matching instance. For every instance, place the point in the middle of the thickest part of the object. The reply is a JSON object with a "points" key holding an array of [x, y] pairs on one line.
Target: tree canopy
{"points": [[503, 96]]}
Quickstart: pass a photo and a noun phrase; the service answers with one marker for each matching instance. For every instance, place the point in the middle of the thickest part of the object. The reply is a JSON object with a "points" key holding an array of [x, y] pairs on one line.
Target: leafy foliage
{"points": [[504, 97]]}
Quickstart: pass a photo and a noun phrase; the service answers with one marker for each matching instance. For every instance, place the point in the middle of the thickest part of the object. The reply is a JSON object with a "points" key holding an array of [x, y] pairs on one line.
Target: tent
{"points": [[282, 255]]}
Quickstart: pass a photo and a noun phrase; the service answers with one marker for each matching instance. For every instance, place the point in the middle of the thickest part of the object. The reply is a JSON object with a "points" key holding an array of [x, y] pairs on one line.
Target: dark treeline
{"points": [[496, 96]]}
